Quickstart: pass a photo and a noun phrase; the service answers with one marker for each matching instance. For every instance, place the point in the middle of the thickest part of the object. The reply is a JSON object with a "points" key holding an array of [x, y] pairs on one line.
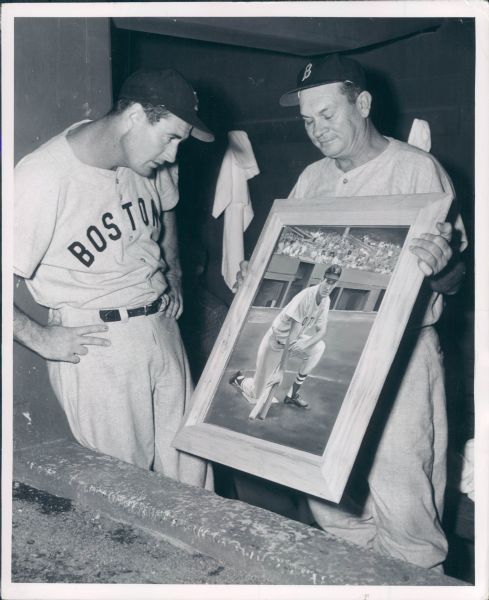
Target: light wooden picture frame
{"points": [[314, 449]]}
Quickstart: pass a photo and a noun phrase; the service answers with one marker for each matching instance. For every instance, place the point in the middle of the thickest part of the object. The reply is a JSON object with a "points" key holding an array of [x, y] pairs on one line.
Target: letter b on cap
{"points": [[307, 71]]}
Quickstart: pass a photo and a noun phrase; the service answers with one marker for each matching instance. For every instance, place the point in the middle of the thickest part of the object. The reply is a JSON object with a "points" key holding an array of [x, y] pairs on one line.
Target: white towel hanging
{"points": [[232, 196], [420, 135]]}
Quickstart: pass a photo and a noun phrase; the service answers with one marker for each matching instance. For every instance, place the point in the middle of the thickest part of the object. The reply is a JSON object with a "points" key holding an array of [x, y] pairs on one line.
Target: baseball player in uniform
{"points": [[95, 239], [303, 324]]}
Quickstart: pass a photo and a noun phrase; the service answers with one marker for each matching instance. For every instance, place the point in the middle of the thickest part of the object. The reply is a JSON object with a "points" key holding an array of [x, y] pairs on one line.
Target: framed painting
{"points": [[299, 364]]}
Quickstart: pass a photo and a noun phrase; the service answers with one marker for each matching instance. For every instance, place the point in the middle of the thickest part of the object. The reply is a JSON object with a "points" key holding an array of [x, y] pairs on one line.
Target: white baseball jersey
{"points": [[87, 237], [399, 169], [303, 309]]}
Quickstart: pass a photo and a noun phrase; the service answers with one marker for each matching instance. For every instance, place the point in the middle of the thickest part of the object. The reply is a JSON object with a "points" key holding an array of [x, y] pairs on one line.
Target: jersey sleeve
{"points": [[36, 194], [440, 181], [294, 192], [423, 174], [167, 186]]}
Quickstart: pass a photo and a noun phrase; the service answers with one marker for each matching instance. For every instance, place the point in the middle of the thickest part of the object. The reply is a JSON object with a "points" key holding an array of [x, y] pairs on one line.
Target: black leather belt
{"points": [[109, 316]]}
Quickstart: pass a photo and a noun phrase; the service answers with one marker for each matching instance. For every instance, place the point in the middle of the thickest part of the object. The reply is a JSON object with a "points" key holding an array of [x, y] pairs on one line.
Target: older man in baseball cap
{"points": [[402, 513], [95, 239], [401, 516]]}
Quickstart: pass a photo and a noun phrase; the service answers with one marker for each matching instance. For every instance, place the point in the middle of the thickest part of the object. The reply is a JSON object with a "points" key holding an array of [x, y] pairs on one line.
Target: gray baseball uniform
{"points": [[86, 240], [302, 309]]}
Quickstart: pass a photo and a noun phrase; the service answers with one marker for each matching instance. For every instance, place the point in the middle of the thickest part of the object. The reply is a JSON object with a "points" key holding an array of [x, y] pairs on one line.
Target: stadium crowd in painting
{"points": [[346, 250]]}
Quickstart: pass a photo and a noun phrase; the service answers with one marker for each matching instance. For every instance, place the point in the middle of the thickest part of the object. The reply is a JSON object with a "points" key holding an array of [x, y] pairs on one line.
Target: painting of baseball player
{"points": [[96, 241], [298, 330]]}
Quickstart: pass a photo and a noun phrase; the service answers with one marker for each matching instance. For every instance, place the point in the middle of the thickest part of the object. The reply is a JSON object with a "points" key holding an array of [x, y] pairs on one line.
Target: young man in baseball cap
{"points": [[95, 239]]}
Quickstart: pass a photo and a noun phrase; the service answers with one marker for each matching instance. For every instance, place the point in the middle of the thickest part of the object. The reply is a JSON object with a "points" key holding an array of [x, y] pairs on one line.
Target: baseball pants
{"points": [[268, 359], [406, 484], [128, 399]]}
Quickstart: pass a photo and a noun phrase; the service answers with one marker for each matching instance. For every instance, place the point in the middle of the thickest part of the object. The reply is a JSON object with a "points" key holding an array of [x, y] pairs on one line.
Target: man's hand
{"points": [[240, 276], [56, 342], [174, 308], [433, 251], [298, 346], [68, 343]]}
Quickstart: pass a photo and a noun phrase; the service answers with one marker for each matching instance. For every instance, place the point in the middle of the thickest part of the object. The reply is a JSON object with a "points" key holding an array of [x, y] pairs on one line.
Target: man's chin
{"points": [[329, 149], [145, 171]]}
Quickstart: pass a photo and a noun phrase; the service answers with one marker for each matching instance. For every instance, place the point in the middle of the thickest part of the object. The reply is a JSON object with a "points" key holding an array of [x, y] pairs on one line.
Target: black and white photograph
{"points": [[244, 300]]}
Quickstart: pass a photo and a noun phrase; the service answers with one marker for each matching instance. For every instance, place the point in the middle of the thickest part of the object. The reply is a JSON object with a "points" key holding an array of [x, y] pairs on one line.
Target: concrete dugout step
{"points": [[236, 533]]}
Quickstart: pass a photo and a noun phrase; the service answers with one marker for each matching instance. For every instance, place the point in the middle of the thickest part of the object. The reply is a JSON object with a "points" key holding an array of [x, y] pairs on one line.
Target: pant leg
{"points": [[107, 396], [401, 515], [310, 358], [313, 356], [128, 400], [408, 475], [348, 520], [172, 395]]}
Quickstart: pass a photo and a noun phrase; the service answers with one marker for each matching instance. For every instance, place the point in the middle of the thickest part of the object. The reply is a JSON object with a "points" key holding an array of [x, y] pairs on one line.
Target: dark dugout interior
{"points": [[416, 68]]}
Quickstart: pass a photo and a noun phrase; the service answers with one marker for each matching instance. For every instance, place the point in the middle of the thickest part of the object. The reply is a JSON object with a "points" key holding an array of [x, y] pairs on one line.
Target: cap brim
{"points": [[204, 135], [292, 98], [199, 130]]}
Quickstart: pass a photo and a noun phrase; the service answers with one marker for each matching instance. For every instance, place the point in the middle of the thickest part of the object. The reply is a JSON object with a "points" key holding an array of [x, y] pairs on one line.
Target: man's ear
{"points": [[134, 115], [364, 103]]}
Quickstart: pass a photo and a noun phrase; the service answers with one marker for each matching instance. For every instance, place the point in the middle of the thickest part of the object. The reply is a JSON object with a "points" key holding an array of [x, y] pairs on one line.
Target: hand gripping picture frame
{"points": [[330, 288]]}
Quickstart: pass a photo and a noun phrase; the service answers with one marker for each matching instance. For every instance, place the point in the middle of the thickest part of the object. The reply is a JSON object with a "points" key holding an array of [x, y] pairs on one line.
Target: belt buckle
{"points": [[110, 316], [150, 309]]}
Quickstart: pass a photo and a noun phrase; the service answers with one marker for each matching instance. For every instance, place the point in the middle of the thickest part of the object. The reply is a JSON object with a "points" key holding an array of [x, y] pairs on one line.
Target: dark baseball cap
{"points": [[332, 69], [332, 272], [168, 88]]}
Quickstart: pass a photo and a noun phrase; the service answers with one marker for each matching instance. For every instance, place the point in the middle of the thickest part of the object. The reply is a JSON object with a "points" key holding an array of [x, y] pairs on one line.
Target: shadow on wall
{"points": [[199, 233], [386, 106]]}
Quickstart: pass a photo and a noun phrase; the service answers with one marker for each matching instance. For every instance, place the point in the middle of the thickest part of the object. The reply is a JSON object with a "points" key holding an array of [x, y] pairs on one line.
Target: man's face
{"points": [[148, 145], [333, 124], [326, 286]]}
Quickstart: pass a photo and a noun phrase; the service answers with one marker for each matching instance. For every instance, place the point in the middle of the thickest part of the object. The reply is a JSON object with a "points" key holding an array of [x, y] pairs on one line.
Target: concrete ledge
{"points": [[250, 538]]}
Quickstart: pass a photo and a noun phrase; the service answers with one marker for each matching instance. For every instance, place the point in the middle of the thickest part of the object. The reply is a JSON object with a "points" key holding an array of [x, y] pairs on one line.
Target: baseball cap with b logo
{"points": [[332, 69], [168, 88]]}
